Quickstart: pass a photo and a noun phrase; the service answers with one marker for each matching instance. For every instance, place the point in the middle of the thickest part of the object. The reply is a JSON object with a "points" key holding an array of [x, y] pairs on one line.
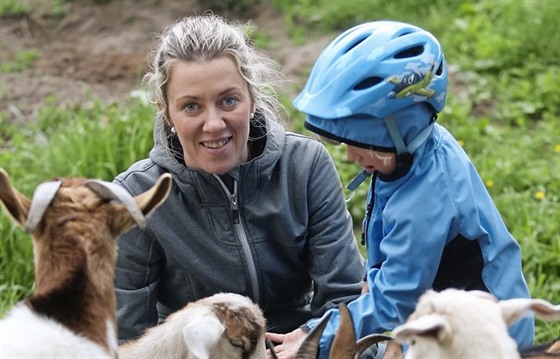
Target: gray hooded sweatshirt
{"points": [[275, 229]]}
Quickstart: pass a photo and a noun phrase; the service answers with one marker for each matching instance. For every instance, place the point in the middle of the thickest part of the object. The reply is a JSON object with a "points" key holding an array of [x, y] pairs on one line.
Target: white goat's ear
{"points": [[202, 335], [513, 309], [433, 325]]}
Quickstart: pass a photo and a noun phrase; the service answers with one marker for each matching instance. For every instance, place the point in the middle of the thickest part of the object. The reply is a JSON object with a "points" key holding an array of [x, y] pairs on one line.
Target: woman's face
{"points": [[371, 161], [209, 105]]}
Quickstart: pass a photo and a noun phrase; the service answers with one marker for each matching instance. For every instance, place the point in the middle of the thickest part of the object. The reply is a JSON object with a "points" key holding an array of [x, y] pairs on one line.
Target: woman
{"points": [[429, 222], [254, 209]]}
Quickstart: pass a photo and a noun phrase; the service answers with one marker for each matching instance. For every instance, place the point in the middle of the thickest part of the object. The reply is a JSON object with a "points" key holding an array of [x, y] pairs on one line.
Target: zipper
{"points": [[369, 211], [242, 236]]}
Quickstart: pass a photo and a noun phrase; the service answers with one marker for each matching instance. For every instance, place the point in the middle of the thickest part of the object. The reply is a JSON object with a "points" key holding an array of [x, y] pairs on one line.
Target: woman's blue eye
{"points": [[231, 101], [190, 107]]}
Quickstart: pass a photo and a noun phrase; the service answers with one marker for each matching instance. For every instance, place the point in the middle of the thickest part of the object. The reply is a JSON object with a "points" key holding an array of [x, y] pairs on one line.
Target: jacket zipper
{"points": [[242, 235], [369, 211]]}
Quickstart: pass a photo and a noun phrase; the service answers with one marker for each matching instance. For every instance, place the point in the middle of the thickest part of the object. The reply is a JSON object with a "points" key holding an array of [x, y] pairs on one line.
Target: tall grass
{"points": [[504, 106]]}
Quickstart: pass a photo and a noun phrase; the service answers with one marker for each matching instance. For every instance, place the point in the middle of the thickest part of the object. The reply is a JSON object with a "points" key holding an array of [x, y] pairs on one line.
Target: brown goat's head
{"points": [[74, 223], [77, 220]]}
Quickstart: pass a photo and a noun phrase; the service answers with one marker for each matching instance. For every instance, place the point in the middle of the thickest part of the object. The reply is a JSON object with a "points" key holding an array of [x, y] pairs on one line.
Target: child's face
{"points": [[371, 161]]}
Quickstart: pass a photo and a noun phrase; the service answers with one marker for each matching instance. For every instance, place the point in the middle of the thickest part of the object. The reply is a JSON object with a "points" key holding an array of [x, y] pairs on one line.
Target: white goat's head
{"points": [[224, 325], [457, 323]]}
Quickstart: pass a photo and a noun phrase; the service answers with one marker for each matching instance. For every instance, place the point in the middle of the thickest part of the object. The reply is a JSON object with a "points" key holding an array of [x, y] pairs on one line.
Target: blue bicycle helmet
{"points": [[378, 85]]}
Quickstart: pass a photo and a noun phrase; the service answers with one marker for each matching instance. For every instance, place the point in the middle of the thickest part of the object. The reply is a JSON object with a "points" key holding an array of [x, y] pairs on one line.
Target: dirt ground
{"points": [[98, 50]]}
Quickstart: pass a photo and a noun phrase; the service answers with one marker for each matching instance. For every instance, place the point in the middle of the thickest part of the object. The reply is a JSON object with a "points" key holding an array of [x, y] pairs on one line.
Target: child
{"points": [[429, 221]]}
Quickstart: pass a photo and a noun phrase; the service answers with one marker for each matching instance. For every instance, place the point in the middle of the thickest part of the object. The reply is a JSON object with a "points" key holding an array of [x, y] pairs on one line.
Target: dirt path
{"points": [[98, 51]]}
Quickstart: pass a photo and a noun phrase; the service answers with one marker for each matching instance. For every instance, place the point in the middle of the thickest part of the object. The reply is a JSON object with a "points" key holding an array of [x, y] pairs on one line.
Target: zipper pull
{"points": [[234, 209], [234, 206], [361, 177]]}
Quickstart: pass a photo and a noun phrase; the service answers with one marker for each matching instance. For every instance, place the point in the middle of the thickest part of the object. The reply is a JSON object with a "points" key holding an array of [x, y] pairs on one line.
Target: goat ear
{"points": [[16, 204], [201, 335], [513, 309], [433, 325], [155, 196]]}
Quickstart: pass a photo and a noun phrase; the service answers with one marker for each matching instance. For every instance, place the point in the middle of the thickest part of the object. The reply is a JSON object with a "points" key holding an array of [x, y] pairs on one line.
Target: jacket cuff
{"points": [[306, 328]]}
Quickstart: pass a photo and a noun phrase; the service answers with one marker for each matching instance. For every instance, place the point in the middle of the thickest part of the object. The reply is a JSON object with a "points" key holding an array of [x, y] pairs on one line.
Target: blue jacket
{"points": [[435, 227]]}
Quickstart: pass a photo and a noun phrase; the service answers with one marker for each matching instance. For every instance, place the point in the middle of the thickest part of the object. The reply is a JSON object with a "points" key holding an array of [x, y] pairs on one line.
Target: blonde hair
{"points": [[206, 37], [386, 157]]}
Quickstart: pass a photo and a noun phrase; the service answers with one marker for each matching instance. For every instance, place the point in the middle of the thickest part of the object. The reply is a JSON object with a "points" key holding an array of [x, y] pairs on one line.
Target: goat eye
{"points": [[237, 343], [413, 341]]}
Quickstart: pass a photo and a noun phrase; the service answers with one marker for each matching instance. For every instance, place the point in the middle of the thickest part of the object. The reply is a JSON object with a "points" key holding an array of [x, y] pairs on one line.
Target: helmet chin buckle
{"points": [[358, 180]]}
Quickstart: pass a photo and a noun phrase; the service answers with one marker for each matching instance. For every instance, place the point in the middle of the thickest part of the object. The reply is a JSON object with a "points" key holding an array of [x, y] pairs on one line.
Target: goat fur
{"points": [[466, 324], [225, 326], [72, 312]]}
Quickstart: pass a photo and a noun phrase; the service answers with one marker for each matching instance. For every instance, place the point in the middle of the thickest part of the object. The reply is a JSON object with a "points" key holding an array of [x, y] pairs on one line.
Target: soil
{"points": [[97, 50]]}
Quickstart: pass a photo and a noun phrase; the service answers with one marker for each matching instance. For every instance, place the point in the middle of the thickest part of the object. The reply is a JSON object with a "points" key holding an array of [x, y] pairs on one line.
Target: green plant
{"points": [[12, 8], [21, 60]]}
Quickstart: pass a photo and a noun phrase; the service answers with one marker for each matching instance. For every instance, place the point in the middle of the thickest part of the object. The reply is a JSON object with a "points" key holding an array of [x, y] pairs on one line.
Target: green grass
{"points": [[21, 61], [504, 106]]}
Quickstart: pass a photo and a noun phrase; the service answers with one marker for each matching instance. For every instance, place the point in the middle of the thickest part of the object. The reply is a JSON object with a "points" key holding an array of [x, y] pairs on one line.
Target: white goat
{"points": [[73, 223], [225, 326], [466, 324]]}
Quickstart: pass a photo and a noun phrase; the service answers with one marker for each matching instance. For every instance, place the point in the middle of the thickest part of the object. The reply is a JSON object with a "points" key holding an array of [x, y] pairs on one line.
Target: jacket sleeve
{"points": [[417, 219], [136, 282], [334, 261]]}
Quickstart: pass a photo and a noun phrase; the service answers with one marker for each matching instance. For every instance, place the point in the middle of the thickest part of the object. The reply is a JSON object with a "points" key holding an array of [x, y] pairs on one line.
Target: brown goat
{"points": [[74, 223]]}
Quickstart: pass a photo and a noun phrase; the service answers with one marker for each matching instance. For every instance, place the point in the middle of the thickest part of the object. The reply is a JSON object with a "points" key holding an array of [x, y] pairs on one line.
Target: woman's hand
{"points": [[286, 345]]}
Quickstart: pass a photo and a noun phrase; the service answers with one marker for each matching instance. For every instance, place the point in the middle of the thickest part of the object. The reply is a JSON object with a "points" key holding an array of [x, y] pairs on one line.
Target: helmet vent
{"points": [[367, 83], [353, 45], [411, 52], [439, 70]]}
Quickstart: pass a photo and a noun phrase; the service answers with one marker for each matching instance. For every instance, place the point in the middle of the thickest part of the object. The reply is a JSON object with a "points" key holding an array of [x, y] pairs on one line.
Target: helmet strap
{"points": [[398, 140], [404, 152], [395, 134]]}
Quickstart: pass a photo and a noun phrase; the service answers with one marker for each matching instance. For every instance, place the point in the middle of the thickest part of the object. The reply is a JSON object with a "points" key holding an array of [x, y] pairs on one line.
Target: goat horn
{"points": [[270, 346], [310, 346], [42, 197], [344, 343], [363, 344], [111, 191]]}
